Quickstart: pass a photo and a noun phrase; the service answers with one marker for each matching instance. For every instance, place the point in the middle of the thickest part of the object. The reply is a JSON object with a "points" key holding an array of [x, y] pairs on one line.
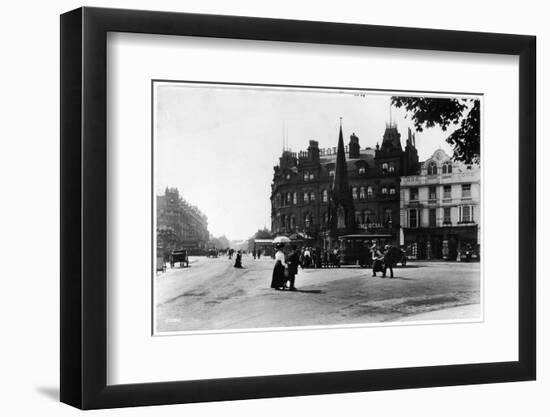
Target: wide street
{"points": [[213, 295]]}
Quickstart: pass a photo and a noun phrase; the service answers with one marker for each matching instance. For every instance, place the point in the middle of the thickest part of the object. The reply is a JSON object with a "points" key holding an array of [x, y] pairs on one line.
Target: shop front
{"points": [[444, 243]]}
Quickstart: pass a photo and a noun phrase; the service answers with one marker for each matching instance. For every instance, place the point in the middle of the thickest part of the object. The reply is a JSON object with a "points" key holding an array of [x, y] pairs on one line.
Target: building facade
{"points": [[325, 193], [179, 224], [440, 208]]}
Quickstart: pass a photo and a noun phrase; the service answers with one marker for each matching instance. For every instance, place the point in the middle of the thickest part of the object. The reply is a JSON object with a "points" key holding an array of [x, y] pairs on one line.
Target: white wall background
{"points": [[29, 164]]}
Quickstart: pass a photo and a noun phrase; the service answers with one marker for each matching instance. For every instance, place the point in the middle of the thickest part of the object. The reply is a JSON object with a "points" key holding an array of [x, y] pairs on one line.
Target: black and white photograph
{"points": [[295, 207]]}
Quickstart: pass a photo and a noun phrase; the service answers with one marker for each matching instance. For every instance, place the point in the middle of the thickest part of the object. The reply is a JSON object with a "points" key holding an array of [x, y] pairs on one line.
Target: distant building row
{"points": [[179, 224]]}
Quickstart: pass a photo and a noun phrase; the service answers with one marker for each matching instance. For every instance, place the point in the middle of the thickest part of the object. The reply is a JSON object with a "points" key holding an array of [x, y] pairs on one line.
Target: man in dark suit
{"points": [[388, 261], [293, 260]]}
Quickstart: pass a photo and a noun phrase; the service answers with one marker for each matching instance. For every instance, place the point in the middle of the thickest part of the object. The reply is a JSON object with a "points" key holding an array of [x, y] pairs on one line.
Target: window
{"points": [[446, 192], [431, 217], [387, 216], [288, 199], [361, 170], [362, 192], [385, 167], [392, 191], [391, 167], [447, 215], [312, 176], [466, 190], [287, 176], [306, 176], [370, 191], [292, 222], [447, 168], [467, 214], [384, 190], [413, 218], [358, 217], [325, 218], [413, 194], [306, 198], [331, 173], [308, 220], [295, 198], [432, 193], [312, 196], [432, 168], [325, 196], [367, 216], [354, 193]]}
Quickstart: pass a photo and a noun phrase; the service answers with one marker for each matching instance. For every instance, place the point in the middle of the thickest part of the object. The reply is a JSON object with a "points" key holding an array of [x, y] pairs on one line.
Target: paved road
{"points": [[212, 295]]}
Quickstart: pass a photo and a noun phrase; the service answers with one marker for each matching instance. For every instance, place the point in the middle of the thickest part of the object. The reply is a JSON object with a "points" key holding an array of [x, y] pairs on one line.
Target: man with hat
{"points": [[387, 261]]}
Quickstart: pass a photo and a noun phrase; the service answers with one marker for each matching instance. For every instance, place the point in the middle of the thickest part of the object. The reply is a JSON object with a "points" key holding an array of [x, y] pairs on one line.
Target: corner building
{"points": [[323, 194], [440, 208]]}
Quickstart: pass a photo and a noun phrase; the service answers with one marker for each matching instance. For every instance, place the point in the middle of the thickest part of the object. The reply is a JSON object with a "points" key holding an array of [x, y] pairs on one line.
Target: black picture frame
{"points": [[84, 207]]}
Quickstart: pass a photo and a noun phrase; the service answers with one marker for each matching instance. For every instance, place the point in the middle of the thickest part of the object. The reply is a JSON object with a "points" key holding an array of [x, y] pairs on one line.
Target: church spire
{"points": [[340, 183], [341, 203]]}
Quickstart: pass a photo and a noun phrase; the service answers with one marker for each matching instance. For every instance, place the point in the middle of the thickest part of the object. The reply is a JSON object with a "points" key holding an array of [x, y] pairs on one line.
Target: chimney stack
{"points": [[353, 146], [313, 151]]}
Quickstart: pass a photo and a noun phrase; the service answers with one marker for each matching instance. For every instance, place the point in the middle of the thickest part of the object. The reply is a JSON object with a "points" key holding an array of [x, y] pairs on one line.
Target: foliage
{"points": [[428, 112]]}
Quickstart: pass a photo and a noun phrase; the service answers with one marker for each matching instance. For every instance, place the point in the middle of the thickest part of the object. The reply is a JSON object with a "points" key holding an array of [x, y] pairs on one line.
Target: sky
{"points": [[218, 144]]}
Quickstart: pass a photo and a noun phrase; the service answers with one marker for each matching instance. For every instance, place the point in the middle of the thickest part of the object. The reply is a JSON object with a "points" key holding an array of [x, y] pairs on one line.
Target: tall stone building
{"points": [[440, 208], [322, 194], [179, 224]]}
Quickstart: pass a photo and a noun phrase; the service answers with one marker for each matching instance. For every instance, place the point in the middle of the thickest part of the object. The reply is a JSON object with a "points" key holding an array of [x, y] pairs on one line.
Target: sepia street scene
{"points": [[281, 208]]}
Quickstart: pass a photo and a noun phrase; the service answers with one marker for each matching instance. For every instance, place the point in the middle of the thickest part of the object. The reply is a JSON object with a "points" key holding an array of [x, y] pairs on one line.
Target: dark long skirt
{"points": [[238, 262], [278, 279]]}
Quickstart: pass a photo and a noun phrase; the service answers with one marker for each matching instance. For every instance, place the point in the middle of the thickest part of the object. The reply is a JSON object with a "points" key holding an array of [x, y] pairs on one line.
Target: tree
{"points": [[444, 112]]}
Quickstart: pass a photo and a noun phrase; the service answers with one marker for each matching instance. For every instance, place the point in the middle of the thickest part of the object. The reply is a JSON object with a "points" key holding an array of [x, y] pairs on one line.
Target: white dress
{"points": [[280, 256]]}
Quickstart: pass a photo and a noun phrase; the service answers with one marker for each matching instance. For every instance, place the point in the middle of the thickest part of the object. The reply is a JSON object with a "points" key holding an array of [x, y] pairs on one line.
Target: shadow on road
{"points": [[310, 291], [400, 278]]}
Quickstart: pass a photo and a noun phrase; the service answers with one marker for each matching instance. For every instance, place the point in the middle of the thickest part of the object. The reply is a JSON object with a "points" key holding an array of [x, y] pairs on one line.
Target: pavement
{"points": [[213, 295]]}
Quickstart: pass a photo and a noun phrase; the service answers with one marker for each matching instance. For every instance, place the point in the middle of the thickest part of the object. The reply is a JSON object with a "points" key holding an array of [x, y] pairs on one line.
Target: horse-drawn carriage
{"points": [[179, 257]]}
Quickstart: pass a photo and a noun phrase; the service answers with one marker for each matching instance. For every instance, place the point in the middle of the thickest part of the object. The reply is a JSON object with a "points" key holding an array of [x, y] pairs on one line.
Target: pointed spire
{"points": [[341, 171], [341, 209]]}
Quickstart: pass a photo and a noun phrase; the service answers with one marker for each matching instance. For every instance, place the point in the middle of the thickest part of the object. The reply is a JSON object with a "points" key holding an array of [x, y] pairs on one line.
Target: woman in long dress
{"points": [[278, 279]]}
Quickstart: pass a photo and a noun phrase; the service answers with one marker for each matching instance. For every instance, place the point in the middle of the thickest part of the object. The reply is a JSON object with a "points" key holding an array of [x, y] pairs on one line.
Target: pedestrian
{"points": [[388, 261], [292, 261], [278, 278], [318, 258], [259, 253], [377, 259], [238, 260], [336, 258], [254, 254], [325, 259]]}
